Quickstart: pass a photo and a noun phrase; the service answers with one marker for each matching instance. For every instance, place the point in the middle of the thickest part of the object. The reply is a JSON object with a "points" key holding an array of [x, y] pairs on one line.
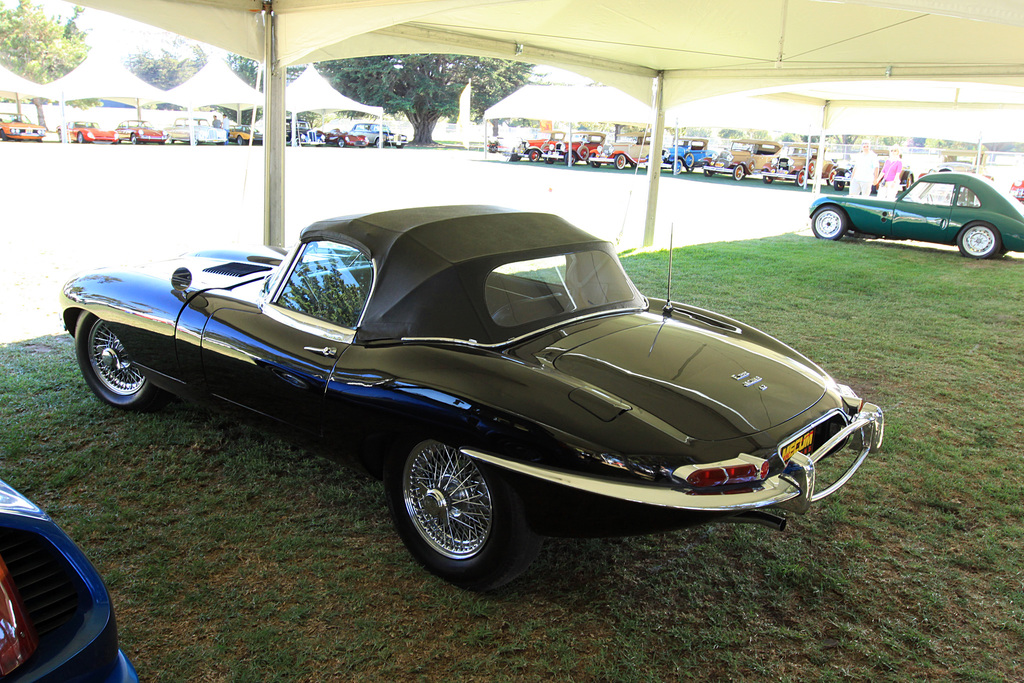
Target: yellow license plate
{"points": [[799, 445]]}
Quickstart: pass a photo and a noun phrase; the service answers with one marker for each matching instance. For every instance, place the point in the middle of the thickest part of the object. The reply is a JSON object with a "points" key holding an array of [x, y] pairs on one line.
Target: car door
{"points": [[274, 355], [922, 212]]}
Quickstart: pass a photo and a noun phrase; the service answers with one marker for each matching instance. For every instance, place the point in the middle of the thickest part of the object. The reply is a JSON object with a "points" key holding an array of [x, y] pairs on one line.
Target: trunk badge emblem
{"points": [[749, 381]]}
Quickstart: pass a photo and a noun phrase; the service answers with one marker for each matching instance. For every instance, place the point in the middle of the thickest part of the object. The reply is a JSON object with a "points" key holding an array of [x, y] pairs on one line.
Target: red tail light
{"points": [[18, 638], [738, 471]]}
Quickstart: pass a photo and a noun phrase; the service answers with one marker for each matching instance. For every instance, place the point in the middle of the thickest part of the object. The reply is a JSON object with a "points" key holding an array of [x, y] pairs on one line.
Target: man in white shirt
{"points": [[865, 168]]}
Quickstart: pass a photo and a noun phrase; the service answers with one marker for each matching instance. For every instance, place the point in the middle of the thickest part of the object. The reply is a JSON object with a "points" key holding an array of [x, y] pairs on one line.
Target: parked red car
{"points": [[534, 149], [1018, 190], [343, 138], [138, 132], [583, 144], [88, 131]]}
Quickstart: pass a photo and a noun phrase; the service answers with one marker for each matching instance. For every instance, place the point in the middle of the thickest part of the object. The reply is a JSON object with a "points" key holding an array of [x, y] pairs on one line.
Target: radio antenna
{"points": [[667, 311]]}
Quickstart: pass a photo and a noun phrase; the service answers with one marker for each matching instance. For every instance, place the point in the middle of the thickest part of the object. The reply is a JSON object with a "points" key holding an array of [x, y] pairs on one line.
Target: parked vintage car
{"points": [[343, 138], [743, 158], [15, 127], [840, 177], [496, 368], [791, 165], [139, 132], [242, 134], [583, 145], [945, 208], [1017, 190], [533, 149], [201, 128], [371, 131], [685, 154], [626, 151], [56, 619], [89, 131]]}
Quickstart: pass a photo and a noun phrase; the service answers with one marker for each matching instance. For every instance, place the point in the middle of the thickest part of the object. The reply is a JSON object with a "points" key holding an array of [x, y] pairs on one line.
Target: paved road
{"points": [[68, 208]]}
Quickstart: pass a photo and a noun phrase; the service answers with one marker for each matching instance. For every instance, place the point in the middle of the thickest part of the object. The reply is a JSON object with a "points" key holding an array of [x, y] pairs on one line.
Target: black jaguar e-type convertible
{"points": [[497, 368]]}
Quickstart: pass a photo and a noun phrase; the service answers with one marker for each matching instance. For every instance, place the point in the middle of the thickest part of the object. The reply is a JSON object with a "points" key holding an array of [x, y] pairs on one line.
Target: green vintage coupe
{"points": [[946, 208]]}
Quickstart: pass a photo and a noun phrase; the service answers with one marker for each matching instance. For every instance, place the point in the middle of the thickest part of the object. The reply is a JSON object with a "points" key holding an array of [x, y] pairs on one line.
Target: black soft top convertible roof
{"points": [[431, 264]]}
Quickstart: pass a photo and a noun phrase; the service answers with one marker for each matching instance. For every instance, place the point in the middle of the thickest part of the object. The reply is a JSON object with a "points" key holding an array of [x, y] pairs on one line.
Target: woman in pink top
{"points": [[889, 184]]}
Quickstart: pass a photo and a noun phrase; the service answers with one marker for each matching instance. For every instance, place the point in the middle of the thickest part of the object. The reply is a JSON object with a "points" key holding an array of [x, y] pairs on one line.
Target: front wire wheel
{"points": [[458, 519], [109, 370]]}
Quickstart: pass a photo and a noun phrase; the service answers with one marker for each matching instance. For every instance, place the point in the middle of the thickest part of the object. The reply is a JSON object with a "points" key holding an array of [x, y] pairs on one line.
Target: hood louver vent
{"points": [[236, 269], [42, 581]]}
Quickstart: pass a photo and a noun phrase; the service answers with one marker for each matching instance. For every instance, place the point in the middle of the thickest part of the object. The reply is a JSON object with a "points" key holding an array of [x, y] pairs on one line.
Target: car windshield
{"points": [[84, 124], [527, 292], [12, 118]]}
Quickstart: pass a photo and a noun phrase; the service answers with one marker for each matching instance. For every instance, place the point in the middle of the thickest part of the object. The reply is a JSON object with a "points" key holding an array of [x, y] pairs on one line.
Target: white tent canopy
{"points": [[106, 79], [14, 86], [216, 84], [686, 51], [312, 92], [571, 103]]}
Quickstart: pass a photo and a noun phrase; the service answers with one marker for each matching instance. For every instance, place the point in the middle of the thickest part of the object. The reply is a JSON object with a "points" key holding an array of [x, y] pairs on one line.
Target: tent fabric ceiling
{"points": [[704, 47], [97, 77], [12, 85]]}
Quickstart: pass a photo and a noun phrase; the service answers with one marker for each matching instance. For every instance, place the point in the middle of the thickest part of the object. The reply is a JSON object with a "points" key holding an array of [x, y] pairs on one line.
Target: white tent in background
{"points": [[216, 84], [571, 103], [104, 79], [14, 86], [312, 92]]}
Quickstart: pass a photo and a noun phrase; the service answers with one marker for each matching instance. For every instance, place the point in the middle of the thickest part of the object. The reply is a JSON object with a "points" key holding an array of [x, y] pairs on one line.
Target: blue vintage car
{"points": [[685, 154], [56, 620], [945, 208]]}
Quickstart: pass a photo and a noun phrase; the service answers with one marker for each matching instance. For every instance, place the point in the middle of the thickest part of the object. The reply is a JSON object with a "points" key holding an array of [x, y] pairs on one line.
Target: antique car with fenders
{"points": [[743, 158], [139, 132], [791, 165], [582, 144], [533, 148], [371, 133], [964, 209], [496, 368], [56, 618], [336, 137], [627, 150], [684, 154]]}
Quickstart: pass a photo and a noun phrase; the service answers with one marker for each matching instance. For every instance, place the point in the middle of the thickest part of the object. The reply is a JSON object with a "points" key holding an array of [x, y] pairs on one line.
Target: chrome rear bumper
{"points": [[792, 490]]}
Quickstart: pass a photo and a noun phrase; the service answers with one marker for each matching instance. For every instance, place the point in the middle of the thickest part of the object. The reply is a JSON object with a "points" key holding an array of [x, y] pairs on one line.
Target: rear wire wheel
{"points": [[458, 517], [109, 371]]}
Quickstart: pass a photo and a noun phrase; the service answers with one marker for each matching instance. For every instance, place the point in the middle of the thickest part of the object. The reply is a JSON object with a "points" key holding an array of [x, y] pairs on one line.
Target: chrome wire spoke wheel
{"points": [[111, 363], [447, 499]]}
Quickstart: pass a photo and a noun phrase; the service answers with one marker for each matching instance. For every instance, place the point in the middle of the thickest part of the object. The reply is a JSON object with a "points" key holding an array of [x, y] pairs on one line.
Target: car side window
{"points": [[330, 282], [933, 194], [967, 198]]}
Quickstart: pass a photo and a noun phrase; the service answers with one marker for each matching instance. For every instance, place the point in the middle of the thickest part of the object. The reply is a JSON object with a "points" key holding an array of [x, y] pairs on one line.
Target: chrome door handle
{"points": [[328, 351]]}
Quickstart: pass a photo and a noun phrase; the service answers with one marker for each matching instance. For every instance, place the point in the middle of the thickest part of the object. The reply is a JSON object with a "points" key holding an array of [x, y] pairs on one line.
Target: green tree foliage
{"points": [[425, 87], [171, 67], [40, 48]]}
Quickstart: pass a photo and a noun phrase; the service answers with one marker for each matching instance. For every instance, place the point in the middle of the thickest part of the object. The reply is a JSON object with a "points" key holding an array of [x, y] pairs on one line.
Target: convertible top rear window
{"points": [[525, 292]]}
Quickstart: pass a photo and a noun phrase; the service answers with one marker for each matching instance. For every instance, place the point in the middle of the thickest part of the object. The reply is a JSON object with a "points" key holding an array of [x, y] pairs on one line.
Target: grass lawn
{"points": [[233, 557]]}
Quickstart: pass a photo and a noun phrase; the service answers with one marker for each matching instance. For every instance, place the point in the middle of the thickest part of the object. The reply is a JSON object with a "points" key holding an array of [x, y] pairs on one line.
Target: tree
{"points": [[171, 67], [425, 87], [39, 48]]}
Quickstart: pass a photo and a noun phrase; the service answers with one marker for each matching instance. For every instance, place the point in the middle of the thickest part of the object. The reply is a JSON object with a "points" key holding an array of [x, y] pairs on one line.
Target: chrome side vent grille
{"points": [[45, 587]]}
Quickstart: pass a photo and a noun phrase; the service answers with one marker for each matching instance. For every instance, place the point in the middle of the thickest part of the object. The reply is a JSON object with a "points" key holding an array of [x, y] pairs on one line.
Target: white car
{"points": [[200, 128]]}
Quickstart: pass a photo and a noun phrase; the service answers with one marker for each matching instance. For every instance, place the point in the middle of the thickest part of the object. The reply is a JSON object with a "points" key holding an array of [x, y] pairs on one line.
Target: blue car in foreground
{"points": [[56, 620]]}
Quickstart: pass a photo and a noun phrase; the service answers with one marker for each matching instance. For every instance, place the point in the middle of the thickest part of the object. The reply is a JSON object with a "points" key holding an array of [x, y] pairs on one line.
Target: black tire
{"points": [[767, 179], [108, 370], [839, 185], [688, 161], [708, 173], [239, 140], [134, 139], [549, 161], [829, 222], [534, 155], [595, 164], [739, 173], [979, 241], [620, 161], [513, 157], [431, 483], [3, 135], [80, 139]]}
